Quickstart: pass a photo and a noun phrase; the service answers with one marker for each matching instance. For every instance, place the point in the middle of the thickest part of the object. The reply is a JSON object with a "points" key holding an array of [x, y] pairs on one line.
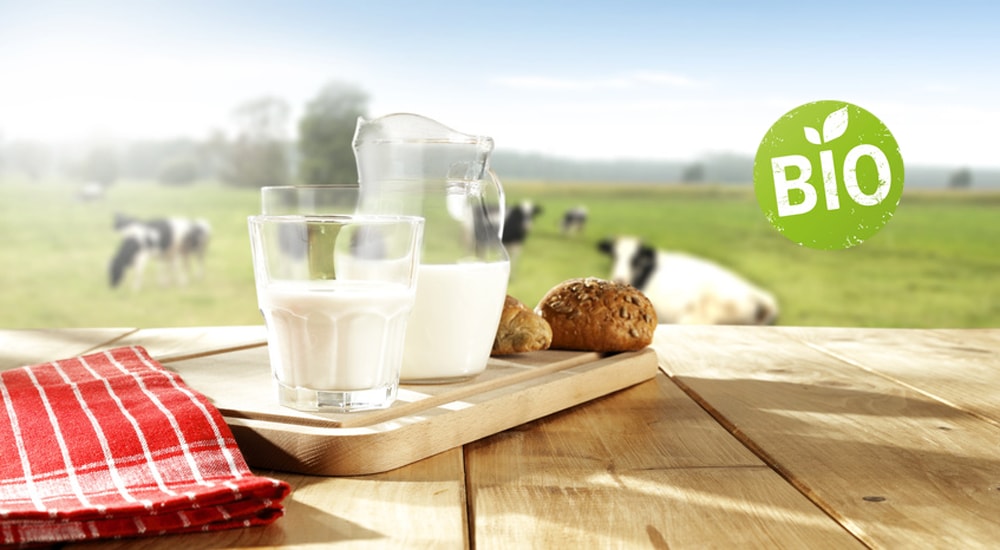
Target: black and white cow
{"points": [[178, 243], [574, 220], [517, 225], [686, 289]]}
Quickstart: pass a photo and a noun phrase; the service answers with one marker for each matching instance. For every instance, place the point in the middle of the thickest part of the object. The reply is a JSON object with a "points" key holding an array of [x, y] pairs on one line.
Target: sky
{"points": [[656, 80]]}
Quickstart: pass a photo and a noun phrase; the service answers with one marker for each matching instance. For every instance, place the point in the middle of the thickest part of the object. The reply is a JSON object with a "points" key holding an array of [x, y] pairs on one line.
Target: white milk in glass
{"points": [[322, 333], [454, 320]]}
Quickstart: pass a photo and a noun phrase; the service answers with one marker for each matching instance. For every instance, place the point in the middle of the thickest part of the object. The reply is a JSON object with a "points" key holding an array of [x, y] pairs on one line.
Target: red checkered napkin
{"points": [[113, 445]]}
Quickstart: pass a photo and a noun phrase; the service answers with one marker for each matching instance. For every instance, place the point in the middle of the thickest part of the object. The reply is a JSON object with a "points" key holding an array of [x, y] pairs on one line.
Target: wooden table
{"points": [[774, 437]]}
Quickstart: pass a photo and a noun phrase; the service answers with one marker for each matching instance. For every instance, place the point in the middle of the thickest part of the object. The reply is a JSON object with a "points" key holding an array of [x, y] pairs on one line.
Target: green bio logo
{"points": [[828, 175]]}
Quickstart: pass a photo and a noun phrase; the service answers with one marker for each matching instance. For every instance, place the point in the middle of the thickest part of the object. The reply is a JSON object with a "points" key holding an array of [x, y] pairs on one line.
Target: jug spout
{"points": [[407, 146], [410, 127]]}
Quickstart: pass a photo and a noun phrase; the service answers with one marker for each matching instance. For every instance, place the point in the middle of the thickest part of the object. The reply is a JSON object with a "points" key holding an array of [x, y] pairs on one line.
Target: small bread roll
{"points": [[520, 330], [593, 314]]}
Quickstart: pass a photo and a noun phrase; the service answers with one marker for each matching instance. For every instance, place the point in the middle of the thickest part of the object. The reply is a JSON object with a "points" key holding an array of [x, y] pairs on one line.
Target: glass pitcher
{"points": [[410, 164]]}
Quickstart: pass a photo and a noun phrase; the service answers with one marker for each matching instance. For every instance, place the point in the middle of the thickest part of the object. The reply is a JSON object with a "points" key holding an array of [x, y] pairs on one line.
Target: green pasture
{"points": [[934, 265]]}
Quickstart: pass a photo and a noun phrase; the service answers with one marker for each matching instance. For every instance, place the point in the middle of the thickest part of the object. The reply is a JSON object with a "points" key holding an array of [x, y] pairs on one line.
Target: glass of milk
{"points": [[336, 292]]}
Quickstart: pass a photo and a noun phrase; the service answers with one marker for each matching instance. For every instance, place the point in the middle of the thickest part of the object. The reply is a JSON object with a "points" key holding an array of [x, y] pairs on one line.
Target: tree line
{"points": [[256, 151]]}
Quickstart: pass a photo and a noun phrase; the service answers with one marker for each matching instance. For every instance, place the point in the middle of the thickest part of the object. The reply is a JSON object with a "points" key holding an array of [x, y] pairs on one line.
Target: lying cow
{"points": [[688, 290]]}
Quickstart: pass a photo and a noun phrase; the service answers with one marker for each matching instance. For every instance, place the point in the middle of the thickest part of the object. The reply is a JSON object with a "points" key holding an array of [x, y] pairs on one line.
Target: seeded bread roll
{"points": [[520, 330], [597, 315]]}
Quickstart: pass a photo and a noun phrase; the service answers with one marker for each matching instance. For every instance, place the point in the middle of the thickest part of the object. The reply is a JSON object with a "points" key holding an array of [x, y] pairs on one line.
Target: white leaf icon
{"points": [[835, 125], [812, 136]]}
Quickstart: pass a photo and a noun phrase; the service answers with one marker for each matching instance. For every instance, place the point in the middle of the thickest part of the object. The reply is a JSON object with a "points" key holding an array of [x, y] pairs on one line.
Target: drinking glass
{"points": [[336, 292]]}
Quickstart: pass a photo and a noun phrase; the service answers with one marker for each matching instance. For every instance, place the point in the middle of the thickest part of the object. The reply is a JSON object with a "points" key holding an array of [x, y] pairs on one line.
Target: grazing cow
{"points": [[574, 220], [516, 227], [483, 226], [91, 191], [177, 242], [688, 290]]}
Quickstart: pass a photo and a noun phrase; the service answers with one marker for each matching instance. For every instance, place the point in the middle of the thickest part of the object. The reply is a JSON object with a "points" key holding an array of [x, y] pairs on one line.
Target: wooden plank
{"points": [[894, 466], [961, 363], [644, 467], [28, 347], [427, 420], [175, 344], [418, 506]]}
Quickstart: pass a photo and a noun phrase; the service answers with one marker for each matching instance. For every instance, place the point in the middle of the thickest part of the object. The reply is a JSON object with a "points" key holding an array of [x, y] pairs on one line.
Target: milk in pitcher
{"points": [[454, 320]]}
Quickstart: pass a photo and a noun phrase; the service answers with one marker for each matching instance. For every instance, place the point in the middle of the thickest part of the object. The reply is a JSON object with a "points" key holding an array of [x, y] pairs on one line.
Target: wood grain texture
{"points": [[895, 466], [418, 506], [763, 437], [28, 347], [644, 467], [955, 365], [175, 344]]}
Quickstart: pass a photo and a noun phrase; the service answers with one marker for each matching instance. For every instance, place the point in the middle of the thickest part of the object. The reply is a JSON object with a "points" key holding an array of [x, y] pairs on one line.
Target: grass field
{"points": [[934, 265]]}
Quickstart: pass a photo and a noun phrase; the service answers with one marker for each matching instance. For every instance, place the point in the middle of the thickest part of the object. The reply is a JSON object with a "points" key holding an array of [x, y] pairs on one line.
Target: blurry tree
{"points": [[154, 159], [29, 158], [100, 165], [256, 155], [728, 167], [961, 179], [179, 170], [216, 155], [693, 173], [326, 131]]}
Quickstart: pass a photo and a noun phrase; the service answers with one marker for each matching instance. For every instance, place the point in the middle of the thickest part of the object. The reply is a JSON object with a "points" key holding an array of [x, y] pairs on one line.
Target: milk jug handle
{"points": [[494, 181]]}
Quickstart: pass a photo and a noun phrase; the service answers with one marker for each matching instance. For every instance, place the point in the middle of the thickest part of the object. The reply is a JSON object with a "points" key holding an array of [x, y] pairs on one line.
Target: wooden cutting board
{"points": [[425, 420]]}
